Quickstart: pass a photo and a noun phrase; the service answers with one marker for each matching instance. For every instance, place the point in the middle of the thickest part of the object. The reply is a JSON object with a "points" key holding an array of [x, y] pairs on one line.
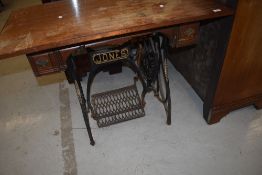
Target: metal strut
{"points": [[155, 68], [164, 89], [71, 71]]}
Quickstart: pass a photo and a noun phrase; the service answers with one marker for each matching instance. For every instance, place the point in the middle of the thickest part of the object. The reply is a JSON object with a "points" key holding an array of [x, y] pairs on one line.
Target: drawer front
{"points": [[51, 62], [188, 34], [43, 63]]}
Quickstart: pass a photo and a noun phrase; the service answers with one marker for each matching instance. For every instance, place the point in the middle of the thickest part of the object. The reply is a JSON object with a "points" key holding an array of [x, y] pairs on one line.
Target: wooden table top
{"points": [[70, 22]]}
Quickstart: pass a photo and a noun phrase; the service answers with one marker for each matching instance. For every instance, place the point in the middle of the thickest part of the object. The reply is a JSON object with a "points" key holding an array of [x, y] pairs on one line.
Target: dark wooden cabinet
{"points": [[226, 73], [240, 82]]}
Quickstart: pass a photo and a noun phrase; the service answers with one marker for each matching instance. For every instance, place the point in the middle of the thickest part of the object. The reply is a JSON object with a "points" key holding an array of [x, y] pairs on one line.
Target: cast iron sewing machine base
{"points": [[147, 57]]}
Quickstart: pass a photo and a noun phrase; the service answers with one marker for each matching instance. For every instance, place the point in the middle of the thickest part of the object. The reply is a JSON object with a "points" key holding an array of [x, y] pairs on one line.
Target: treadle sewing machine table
{"points": [[54, 35]]}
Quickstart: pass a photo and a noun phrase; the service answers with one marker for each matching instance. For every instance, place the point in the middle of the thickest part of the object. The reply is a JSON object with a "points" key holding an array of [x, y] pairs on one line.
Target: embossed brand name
{"points": [[110, 56]]}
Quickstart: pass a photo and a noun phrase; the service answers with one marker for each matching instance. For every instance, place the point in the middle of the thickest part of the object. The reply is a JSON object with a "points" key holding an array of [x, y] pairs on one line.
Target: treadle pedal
{"points": [[117, 106]]}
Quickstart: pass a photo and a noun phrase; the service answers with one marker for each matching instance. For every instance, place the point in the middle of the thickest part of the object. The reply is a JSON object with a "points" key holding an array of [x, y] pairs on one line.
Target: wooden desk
{"points": [[66, 23], [57, 30], [49, 33]]}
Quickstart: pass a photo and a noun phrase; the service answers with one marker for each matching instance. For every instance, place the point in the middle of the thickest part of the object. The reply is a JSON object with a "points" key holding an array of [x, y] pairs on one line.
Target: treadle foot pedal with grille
{"points": [[117, 106]]}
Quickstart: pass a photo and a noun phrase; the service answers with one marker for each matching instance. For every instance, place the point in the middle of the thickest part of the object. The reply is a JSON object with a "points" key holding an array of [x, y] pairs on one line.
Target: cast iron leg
{"points": [[168, 105], [135, 68], [167, 99], [79, 91], [82, 101], [162, 46], [95, 70]]}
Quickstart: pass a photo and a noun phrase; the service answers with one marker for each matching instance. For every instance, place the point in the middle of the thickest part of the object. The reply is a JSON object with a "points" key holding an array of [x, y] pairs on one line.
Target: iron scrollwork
{"points": [[154, 65], [147, 57]]}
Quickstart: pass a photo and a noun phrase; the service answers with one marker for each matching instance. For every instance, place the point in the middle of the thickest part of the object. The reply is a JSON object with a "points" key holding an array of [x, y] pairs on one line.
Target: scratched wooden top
{"points": [[70, 22]]}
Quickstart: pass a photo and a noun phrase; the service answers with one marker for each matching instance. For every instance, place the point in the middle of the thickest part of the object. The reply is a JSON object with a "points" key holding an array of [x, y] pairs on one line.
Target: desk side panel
{"points": [[201, 64]]}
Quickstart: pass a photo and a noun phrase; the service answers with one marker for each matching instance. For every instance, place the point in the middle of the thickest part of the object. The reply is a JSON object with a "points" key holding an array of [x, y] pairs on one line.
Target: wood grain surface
{"points": [[71, 22], [240, 82]]}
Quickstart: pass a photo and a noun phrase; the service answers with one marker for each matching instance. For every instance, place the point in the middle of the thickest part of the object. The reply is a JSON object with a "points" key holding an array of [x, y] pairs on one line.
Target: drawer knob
{"points": [[190, 32]]}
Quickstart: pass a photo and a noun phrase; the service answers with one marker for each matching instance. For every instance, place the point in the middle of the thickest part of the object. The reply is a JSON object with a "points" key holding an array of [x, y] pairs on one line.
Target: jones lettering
{"points": [[110, 56]]}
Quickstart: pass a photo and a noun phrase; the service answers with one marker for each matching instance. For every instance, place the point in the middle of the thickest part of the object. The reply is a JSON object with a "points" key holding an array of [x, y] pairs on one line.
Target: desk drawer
{"points": [[188, 34], [44, 63], [52, 61]]}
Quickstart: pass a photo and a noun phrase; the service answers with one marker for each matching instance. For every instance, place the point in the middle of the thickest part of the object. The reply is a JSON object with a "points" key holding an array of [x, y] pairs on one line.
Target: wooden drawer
{"points": [[51, 62], [44, 63], [188, 34]]}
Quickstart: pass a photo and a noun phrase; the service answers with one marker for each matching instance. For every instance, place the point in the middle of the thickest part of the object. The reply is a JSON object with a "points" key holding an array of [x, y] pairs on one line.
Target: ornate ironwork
{"points": [[147, 57], [116, 106]]}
